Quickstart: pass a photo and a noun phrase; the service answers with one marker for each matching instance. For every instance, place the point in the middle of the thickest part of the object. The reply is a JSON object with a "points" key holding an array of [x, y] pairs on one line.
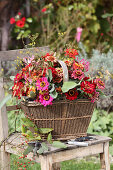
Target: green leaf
{"points": [[19, 35], [68, 85], [10, 88], [26, 25], [28, 149], [50, 74], [52, 88], [29, 133], [35, 129], [32, 94], [59, 144], [29, 20], [54, 94], [12, 78], [43, 148], [34, 138], [101, 93], [40, 151], [23, 129], [38, 138], [8, 97], [107, 15], [28, 122], [16, 30], [45, 130], [49, 138]]}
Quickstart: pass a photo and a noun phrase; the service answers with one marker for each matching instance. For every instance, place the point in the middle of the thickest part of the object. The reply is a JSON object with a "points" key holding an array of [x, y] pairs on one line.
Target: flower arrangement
{"points": [[41, 79]]}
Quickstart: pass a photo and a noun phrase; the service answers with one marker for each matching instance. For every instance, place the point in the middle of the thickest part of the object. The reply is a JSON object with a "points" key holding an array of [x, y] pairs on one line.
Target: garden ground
{"points": [[67, 165]]}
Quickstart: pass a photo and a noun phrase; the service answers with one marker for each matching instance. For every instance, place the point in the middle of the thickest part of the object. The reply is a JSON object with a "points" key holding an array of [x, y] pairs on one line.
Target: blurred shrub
{"points": [[101, 67], [56, 23]]}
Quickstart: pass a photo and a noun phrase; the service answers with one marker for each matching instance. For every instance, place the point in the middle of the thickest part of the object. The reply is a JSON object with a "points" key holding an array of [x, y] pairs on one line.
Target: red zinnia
{"points": [[88, 87], [19, 13], [23, 19], [20, 23], [71, 52], [44, 10], [12, 20], [72, 94]]}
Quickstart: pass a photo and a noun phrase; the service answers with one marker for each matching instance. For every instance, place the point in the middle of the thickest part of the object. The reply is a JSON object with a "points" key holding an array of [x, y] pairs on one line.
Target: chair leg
{"points": [[56, 166], [104, 157], [5, 159], [46, 162]]}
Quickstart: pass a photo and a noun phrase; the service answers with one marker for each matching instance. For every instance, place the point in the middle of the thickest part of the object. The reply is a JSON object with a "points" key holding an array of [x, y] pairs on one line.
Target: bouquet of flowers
{"points": [[41, 79]]}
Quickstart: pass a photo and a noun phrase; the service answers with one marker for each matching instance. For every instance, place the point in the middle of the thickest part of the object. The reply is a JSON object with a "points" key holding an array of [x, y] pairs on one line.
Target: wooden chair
{"points": [[49, 160]]}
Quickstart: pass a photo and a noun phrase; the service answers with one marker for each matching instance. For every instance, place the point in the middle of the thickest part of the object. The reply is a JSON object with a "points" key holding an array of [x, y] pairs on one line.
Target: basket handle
{"points": [[65, 71]]}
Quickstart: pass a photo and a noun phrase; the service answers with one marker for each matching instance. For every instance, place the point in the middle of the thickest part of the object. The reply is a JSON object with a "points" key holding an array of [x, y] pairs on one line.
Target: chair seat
{"points": [[17, 143]]}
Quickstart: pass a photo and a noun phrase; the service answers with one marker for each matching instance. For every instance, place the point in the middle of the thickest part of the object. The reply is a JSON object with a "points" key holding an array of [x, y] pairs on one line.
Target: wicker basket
{"points": [[68, 119]]}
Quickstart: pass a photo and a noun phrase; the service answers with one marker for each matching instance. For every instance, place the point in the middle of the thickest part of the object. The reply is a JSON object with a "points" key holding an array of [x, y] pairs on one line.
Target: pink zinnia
{"points": [[99, 83], [42, 84], [94, 97], [77, 74], [45, 99], [85, 63]]}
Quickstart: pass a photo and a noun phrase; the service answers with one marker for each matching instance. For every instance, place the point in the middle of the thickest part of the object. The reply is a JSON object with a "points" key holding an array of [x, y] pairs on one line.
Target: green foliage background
{"points": [[57, 25]]}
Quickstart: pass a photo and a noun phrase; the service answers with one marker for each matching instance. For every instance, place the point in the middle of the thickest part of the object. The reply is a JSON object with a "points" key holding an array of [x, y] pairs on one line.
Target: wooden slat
{"points": [[14, 107], [11, 55], [77, 152], [5, 157]]}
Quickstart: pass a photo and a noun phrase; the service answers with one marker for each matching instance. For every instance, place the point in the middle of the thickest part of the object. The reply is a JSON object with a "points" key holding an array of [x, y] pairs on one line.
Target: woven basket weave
{"points": [[69, 119]]}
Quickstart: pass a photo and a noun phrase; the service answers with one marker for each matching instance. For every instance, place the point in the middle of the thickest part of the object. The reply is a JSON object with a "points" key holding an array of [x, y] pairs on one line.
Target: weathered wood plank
{"points": [[12, 54], [5, 157], [17, 139], [104, 157], [77, 152]]}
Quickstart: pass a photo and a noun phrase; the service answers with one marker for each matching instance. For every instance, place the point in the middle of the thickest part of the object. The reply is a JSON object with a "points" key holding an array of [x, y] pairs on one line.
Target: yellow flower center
{"points": [[78, 73], [101, 83], [42, 84], [47, 97], [71, 92]]}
